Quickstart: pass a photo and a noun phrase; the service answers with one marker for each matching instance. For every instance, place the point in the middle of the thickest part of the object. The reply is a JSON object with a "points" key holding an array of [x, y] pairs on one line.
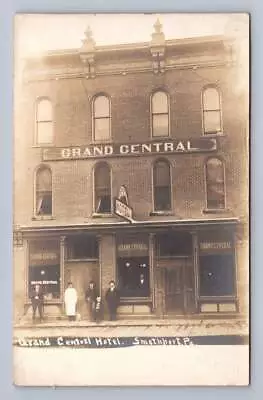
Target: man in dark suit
{"points": [[37, 299], [143, 286], [113, 299]]}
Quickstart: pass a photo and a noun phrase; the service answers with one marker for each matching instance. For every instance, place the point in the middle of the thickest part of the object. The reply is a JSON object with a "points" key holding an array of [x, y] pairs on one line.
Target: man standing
{"points": [[112, 298], [37, 299], [91, 298], [70, 299]]}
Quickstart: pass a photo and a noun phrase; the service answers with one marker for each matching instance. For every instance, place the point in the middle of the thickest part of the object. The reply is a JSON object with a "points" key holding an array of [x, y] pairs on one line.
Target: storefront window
{"points": [[176, 244], [82, 247], [133, 267], [44, 268], [217, 275]]}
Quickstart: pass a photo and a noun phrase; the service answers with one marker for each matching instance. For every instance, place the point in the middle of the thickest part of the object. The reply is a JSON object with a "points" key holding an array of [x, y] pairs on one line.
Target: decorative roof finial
{"points": [[88, 41], [158, 37], [158, 26]]}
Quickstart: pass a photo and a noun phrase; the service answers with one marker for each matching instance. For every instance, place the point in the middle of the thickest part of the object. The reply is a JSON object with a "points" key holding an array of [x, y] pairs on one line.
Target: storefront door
{"points": [[174, 289], [179, 288]]}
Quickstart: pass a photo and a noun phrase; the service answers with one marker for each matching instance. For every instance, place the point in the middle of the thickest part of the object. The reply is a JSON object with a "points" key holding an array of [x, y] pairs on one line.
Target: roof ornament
{"points": [[157, 48], [87, 53]]}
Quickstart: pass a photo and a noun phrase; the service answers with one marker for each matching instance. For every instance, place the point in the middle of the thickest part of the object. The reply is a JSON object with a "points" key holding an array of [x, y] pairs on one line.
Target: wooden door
{"points": [[174, 290]]}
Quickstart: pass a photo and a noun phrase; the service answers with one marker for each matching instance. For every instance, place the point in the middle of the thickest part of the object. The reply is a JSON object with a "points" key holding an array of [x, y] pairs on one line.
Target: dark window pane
{"points": [[162, 198], [102, 189], [133, 276], [217, 275], [103, 204], [83, 247], [48, 276], [44, 203], [215, 183], [174, 244]]}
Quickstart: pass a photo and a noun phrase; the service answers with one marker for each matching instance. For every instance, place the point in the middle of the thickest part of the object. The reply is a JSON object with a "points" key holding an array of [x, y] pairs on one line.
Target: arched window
{"points": [[162, 186], [211, 110], [102, 177], [43, 196], [215, 184], [44, 122], [101, 118], [160, 114]]}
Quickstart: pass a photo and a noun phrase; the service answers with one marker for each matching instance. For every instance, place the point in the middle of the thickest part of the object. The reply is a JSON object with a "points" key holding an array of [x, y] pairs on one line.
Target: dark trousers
{"points": [[72, 317], [37, 305], [112, 312]]}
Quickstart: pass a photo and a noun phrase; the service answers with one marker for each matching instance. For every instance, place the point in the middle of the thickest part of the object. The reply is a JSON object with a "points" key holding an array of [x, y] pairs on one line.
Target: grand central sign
{"points": [[203, 144]]}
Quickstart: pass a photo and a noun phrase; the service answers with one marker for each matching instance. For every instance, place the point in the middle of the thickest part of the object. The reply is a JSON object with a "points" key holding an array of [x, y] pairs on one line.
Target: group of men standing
{"points": [[92, 298]]}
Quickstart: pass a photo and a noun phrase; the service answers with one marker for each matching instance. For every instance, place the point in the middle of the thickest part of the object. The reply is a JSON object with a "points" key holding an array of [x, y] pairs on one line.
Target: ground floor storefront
{"points": [[161, 271]]}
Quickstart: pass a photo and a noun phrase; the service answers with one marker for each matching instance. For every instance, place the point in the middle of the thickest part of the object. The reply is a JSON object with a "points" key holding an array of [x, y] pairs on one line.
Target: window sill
{"points": [[72, 260], [42, 146], [102, 215], [214, 134], [161, 213], [215, 210], [43, 218]]}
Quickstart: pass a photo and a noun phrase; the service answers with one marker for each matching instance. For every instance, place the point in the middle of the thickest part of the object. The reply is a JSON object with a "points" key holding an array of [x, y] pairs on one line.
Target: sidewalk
{"points": [[154, 327]]}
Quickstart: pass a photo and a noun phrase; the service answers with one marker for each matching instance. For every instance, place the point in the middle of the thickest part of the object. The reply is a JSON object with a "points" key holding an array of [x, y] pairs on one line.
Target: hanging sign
{"points": [[121, 205]]}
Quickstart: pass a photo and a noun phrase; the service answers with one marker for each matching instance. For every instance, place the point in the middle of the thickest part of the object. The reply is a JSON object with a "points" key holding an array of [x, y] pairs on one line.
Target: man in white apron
{"points": [[70, 299]]}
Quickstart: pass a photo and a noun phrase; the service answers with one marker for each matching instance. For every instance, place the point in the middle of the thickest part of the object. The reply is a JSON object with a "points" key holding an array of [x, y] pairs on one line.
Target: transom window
{"points": [[102, 176], [101, 118], [82, 247], [43, 196], [44, 122], [160, 114], [211, 110], [215, 184], [162, 186]]}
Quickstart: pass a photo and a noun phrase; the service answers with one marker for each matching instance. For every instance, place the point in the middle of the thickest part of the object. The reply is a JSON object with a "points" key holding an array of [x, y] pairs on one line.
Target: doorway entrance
{"points": [[179, 288]]}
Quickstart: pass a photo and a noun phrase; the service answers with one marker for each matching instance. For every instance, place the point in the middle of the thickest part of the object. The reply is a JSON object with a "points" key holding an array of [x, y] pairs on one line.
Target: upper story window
{"points": [[102, 177], [162, 185], [43, 198], [101, 118], [160, 114], [215, 184], [44, 122], [212, 118]]}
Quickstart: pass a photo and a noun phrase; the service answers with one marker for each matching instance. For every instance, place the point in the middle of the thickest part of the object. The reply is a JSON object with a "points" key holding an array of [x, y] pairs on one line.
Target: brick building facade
{"points": [[162, 119]]}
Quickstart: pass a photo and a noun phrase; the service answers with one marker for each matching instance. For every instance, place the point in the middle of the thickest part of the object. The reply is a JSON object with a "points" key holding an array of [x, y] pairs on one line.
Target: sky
{"points": [[37, 33]]}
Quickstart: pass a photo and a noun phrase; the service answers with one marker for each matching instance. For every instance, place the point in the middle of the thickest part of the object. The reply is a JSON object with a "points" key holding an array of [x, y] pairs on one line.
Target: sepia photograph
{"points": [[131, 200]]}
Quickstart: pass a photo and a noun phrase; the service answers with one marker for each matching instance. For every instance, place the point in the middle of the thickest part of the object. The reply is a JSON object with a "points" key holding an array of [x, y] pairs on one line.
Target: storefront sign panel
{"points": [[202, 144]]}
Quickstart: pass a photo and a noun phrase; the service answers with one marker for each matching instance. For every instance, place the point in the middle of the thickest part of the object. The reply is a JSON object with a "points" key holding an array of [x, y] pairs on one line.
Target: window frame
{"points": [[161, 90], [168, 211], [212, 86], [27, 300], [212, 209], [43, 216], [95, 213], [93, 119], [36, 141]]}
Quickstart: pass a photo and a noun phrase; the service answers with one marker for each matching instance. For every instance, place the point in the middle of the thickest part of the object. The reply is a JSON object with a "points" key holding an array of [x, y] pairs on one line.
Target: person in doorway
{"points": [[70, 299], [143, 286], [112, 298], [37, 299], [91, 298]]}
